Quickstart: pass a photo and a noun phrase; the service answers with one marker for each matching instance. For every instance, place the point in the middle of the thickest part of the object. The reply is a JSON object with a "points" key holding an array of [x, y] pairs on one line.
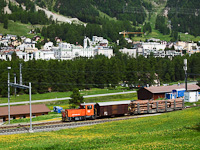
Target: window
{"points": [[14, 117], [89, 107]]}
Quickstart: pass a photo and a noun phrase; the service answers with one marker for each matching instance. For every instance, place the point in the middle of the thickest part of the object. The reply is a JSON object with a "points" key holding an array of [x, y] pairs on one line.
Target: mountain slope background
{"points": [[164, 19]]}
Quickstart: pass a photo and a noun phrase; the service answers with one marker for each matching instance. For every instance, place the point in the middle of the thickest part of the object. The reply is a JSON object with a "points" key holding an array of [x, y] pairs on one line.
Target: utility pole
{"points": [[15, 81], [30, 130], [9, 94], [20, 73], [15, 85], [185, 69]]}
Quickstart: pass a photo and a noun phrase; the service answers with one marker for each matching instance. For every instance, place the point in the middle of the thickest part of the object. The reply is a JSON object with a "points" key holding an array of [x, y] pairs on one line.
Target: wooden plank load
{"points": [[154, 106]]}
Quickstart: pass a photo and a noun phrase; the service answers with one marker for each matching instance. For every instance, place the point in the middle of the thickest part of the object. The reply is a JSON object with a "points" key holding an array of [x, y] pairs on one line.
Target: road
{"points": [[65, 98]]}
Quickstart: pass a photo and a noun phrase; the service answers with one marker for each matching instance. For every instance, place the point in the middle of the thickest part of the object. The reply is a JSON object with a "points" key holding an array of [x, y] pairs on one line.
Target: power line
{"points": [[177, 10]]}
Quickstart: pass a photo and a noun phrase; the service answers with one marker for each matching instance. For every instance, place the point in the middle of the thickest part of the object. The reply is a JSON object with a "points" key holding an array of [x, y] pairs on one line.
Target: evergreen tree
{"points": [[76, 98], [5, 23]]}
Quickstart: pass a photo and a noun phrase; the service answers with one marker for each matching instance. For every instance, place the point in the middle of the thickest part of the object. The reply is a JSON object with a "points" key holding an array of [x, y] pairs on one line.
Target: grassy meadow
{"points": [[174, 130], [18, 28], [52, 95]]}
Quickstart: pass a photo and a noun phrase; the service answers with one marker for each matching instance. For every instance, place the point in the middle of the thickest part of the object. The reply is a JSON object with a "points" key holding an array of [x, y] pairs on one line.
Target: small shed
{"points": [[23, 111], [191, 96]]}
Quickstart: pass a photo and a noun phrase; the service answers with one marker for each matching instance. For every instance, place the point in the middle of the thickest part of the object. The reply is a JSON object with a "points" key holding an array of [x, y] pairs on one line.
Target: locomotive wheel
{"points": [[93, 117]]}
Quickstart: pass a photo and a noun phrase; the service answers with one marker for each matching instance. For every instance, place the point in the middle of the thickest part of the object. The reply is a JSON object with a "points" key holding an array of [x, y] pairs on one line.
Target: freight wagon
{"points": [[117, 108]]}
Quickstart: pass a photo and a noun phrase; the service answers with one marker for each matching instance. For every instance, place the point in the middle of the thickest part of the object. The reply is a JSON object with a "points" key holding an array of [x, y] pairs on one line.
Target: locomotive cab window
{"points": [[89, 107]]}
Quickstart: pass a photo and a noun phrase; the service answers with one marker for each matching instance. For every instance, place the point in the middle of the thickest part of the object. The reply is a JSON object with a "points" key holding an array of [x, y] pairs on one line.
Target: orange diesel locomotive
{"points": [[85, 111]]}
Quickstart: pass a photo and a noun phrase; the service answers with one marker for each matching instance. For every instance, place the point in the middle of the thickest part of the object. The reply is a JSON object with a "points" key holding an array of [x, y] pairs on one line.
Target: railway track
{"points": [[53, 126]]}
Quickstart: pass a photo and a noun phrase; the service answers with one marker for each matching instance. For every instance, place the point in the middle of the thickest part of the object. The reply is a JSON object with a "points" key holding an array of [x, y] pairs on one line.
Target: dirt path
{"points": [[58, 17]]}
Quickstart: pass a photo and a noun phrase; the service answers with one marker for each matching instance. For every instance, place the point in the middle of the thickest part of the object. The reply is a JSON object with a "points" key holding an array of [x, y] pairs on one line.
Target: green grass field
{"points": [[17, 28], [174, 130], [50, 116], [52, 95]]}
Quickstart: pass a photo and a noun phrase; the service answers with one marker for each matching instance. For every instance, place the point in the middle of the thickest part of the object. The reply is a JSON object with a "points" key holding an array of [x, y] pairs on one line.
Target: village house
{"points": [[28, 46], [16, 43]]}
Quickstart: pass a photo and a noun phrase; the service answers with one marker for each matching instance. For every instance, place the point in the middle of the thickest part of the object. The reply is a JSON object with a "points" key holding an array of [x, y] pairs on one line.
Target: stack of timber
{"points": [[155, 106]]}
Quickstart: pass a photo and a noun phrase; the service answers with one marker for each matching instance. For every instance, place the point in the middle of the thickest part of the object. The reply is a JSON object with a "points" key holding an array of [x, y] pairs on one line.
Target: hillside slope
{"points": [[87, 10], [184, 15]]}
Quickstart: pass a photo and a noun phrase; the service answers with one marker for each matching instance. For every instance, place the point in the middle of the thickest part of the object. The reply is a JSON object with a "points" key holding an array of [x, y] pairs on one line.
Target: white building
{"points": [[79, 51], [153, 46], [100, 41], [28, 46], [170, 53], [130, 52], [191, 46], [22, 55], [5, 56], [153, 39], [63, 51], [48, 46], [44, 55], [104, 51], [25, 56]]}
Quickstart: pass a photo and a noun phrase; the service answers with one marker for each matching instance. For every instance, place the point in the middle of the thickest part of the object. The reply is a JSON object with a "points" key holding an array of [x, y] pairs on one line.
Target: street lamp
{"points": [[9, 68]]}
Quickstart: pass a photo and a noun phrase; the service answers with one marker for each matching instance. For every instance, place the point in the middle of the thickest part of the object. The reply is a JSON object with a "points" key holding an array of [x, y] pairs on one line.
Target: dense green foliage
{"points": [[174, 130], [2, 5], [86, 10], [161, 25], [98, 72], [3, 19], [147, 28], [184, 16]]}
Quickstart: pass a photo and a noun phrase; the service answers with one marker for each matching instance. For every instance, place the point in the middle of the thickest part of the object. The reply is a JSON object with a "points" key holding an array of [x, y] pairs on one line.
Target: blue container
{"points": [[179, 92], [57, 109], [170, 96]]}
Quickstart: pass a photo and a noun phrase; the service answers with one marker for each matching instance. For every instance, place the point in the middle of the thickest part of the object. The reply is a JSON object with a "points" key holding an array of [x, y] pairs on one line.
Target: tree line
{"points": [[98, 72]]}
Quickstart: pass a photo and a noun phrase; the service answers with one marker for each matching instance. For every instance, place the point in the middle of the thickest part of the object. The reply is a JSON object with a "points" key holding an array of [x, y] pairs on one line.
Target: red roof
{"points": [[168, 89], [24, 109]]}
